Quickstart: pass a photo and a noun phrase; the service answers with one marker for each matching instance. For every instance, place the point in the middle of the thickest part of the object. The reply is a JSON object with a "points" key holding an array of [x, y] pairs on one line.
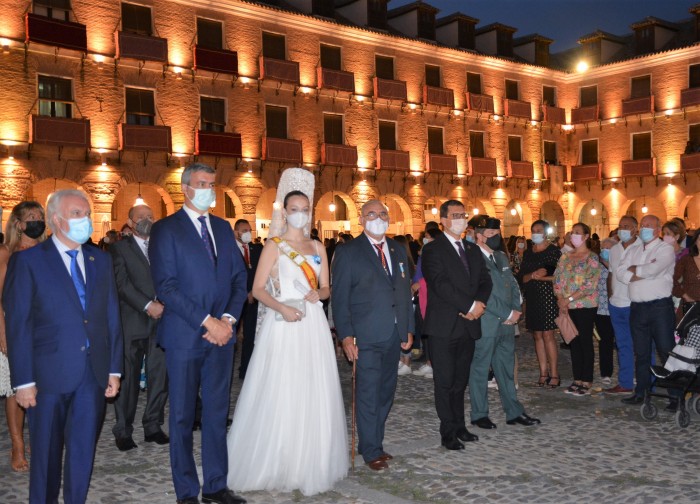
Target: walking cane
{"points": [[352, 447]]}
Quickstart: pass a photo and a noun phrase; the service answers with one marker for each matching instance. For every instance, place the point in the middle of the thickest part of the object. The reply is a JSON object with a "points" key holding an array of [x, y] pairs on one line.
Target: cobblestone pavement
{"points": [[588, 449]]}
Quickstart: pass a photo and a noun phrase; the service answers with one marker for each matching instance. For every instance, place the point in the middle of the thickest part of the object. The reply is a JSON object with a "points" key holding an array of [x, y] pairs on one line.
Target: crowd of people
{"points": [[176, 293]]}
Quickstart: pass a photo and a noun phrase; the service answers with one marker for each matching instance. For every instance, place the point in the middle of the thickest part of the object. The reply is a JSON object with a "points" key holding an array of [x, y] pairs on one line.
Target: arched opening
{"points": [[263, 212], [638, 208], [691, 213], [513, 219], [228, 205], [400, 218], [552, 212], [152, 195], [431, 209], [41, 190], [335, 213], [595, 215]]}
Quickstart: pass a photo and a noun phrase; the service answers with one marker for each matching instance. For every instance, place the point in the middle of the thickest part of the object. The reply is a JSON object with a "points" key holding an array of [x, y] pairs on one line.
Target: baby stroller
{"points": [[680, 373]]}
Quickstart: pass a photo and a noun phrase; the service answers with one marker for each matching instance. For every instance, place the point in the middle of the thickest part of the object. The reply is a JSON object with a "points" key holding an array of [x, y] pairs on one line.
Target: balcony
{"points": [[520, 169], [141, 47], [210, 143], [136, 137], [441, 163], [59, 131], [216, 60], [441, 97], [336, 79], [482, 167], [338, 155], [517, 108], [283, 150], [390, 89], [44, 30], [480, 103], [584, 172], [690, 96], [553, 115], [393, 160], [635, 106], [585, 114], [690, 162], [279, 70], [639, 168]]}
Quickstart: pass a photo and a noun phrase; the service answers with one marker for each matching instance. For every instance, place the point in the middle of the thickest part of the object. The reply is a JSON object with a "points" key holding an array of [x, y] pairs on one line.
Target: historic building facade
{"points": [[115, 97]]}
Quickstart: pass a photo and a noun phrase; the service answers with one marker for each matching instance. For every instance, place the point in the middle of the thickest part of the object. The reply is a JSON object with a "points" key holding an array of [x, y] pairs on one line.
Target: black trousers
{"points": [[582, 354], [452, 358], [606, 345], [250, 322]]}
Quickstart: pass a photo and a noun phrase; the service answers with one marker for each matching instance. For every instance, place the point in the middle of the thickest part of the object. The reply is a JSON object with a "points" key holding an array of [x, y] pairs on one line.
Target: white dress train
{"points": [[289, 429]]}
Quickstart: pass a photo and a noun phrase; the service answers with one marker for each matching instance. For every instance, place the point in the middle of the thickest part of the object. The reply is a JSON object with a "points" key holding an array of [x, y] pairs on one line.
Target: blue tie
{"points": [[207, 239], [77, 276]]}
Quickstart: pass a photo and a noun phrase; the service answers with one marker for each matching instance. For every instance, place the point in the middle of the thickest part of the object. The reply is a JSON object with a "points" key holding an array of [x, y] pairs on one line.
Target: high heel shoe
{"points": [[552, 385], [544, 380]]}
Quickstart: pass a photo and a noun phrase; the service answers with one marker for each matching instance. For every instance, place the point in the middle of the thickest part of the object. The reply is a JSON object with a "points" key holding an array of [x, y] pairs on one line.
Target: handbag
{"points": [[298, 304], [566, 327]]}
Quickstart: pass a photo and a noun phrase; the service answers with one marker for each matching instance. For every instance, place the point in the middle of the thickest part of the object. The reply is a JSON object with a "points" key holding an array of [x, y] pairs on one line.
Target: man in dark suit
{"points": [[459, 285], [65, 347], [200, 277], [251, 255], [373, 317], [140, 311]]}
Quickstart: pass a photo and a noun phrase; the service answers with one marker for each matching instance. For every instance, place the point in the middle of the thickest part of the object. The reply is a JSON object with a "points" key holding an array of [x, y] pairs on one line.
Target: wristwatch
{"points": [[571, 299]]}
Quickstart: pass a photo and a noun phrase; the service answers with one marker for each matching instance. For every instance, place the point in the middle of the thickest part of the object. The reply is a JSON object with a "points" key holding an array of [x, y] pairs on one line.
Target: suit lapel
{"points": [[90, 274], [58, 268], [373, 257], [453, 257], [192, 233], [138, 252]]}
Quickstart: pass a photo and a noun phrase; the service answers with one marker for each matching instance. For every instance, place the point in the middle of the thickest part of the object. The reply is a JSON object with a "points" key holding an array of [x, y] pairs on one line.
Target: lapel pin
{"points": [[391, 249], [91, 258]]}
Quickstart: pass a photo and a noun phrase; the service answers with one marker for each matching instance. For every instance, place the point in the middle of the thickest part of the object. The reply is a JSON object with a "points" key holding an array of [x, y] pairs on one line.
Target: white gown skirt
{"points": [[289, 429]]}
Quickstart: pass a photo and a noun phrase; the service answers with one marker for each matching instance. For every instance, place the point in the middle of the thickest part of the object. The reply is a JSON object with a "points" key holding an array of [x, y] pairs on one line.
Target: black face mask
{"points": [[34, 229], [494, 242]]}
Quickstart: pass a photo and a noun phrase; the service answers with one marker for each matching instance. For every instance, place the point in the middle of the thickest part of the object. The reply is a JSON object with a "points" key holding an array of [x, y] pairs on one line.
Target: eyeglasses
{"points": [[457, 216], [374, 215]]}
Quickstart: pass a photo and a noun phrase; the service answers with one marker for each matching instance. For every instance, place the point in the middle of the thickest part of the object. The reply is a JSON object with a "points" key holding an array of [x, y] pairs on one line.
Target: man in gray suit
{"points": [[373, 314], [140, 311]]}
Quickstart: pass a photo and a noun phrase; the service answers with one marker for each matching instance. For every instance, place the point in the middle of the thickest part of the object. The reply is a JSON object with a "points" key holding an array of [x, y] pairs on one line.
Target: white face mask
{"points": [[203, 198], [247, 237], [377, 227], [521, 245], [537, 238], [458, 226], [426, 241], [298, 219]]}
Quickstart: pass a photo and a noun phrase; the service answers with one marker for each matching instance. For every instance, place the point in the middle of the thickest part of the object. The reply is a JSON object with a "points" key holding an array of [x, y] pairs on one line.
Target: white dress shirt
{"points": [[194, 216], [144, 248], [619, 256], [655, 262], [457, 247], [385, 250]]}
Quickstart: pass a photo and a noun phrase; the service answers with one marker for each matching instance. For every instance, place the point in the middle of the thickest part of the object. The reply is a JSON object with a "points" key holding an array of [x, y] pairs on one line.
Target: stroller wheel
{"points": [[648, 411], [693, 404], [682, 418]]}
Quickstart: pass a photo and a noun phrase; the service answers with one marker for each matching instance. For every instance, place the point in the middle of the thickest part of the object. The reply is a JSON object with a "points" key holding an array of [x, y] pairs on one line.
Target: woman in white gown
{"points": [[289, 429]]}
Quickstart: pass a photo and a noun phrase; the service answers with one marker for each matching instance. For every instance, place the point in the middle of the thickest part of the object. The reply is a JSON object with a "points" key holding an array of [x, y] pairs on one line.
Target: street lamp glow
{"points": [[582, 66], [475, 211], [331, 207], [434, 211], [594, 211], [513, 211]]}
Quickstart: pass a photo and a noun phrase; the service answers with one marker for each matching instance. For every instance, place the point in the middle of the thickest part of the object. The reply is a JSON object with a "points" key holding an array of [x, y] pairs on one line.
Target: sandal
{"points": [[552, 385], [544, 380], [583, 390], [572, 389]]}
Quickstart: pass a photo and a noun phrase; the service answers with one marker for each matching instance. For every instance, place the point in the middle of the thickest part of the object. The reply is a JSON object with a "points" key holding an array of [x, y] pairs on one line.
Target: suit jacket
{"points": [[254, 251], [187, 282], [451, 289], [47, 328], [135, 287], [505, 294], [367, 302]]}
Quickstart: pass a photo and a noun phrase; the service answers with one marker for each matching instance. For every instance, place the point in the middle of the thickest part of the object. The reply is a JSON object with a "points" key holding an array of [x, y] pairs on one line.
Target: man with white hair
{"points": [[66, 357]]}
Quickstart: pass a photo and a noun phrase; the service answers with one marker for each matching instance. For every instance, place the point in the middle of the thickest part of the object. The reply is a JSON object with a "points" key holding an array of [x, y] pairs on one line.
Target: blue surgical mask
{"points": [[605, 255], [537, 238], [470, 239], [624, 235], [203, 198], [79, 230], [646, 234]]}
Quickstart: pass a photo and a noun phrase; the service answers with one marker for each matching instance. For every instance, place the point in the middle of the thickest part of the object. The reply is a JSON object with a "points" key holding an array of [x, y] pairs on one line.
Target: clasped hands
{"points": [[476, 313], [219, 331], [538, 274]]}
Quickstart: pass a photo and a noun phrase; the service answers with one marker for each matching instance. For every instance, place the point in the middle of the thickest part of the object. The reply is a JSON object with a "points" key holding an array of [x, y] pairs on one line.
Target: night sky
{"points": [[565, 21]]}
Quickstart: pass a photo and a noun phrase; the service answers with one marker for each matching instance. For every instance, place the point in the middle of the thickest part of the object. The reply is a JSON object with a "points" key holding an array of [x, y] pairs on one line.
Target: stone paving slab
{"points": [[588, 449]]}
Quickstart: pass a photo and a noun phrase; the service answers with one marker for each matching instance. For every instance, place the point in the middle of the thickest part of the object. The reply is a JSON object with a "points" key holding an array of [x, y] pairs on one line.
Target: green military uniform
{"points": [[496, 348]]}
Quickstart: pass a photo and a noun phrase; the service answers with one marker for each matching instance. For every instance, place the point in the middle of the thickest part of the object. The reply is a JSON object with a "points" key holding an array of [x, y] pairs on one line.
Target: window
{"points": [[387, 135], [330, 57], [511, 89], [476, 144], [333, 129], [641, 145], [589, 96], [549, 96], [550, 152], [136, 19], [640, 87], [435, 143], [504, 44], [229, 207], [384, 67], [694, 135], [55, 97], [140, 107], [274, 46], [645, 39], [210, 34], [432, 75], [376, 13], [54, 9], [213, 114], [589, 151], [474, 83], [426, 24], [276, 121], [694, 76], [515, 152]]}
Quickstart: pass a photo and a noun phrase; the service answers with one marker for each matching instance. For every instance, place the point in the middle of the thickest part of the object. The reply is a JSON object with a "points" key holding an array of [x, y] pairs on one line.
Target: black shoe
{"points": [[158, 437], [223, 496], [672, 406], [484, 423], [452, 444], [188, 500], [523, 420], [197, 425], [125, 444], [466, 436], [634, 399]]}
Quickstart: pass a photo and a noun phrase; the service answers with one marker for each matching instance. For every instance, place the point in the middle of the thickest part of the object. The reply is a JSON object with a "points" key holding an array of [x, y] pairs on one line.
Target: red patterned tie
{"points": [[382, 257]]}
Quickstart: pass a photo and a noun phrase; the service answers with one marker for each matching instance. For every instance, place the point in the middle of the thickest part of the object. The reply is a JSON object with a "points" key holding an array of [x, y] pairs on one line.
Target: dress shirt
{"points": [[619, 255], [142, 245], [488, 256], [655, 262], [454, 241], [385, 250]]}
